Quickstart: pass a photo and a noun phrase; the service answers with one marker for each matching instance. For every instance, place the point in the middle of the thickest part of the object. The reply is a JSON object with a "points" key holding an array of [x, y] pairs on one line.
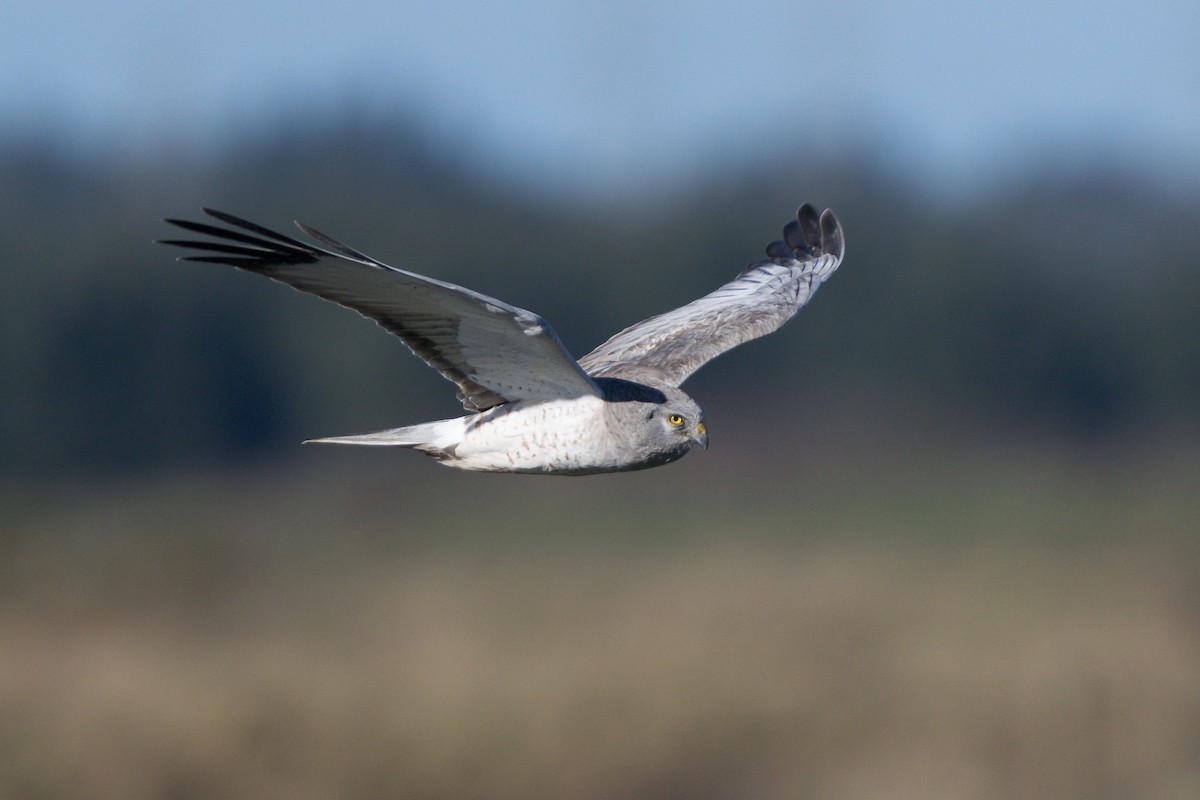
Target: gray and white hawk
{"points": [[533, 408]]}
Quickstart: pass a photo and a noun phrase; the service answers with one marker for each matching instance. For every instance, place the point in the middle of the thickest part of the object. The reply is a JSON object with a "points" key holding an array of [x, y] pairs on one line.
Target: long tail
{"points": [[411, 436]]}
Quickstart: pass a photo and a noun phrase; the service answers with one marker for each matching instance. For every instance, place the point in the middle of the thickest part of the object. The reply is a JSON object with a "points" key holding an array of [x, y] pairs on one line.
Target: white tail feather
{"points": [[412, 436]]}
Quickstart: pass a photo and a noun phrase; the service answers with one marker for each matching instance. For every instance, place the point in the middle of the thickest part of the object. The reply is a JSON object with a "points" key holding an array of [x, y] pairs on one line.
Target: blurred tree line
{"points": [[1064, 304]]}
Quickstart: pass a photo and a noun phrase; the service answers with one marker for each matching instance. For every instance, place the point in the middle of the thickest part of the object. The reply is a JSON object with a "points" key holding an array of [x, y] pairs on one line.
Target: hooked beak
{"points": [[701, 437]]}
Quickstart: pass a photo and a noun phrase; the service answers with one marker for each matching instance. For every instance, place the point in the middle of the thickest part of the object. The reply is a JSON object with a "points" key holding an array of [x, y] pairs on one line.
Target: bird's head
{"points": [[661, 421], [682, 419]]}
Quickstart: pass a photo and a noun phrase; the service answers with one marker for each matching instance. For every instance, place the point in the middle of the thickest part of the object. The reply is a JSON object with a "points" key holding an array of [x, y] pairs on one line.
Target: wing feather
{"points": [[671, 346], [493, 351]]}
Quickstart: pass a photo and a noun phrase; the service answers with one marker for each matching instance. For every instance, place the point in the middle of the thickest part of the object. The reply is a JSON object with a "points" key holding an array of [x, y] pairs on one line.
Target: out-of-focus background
{"points": [[945, 543]]}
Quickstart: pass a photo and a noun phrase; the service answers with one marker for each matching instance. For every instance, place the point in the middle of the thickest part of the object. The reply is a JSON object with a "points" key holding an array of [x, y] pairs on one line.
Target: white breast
{"points": [[559, 435]]}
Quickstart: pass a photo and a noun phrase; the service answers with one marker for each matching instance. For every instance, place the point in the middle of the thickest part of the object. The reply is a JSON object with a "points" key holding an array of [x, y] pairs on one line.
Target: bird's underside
{"points": [[532, 407]]}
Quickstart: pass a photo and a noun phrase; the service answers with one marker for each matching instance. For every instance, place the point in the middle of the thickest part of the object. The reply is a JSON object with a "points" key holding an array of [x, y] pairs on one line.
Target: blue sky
{"points": [[611, 89]]}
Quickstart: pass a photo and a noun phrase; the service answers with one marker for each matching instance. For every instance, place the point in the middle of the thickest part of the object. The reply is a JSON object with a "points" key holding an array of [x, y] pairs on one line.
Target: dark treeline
{"points": [[1065, 306]]}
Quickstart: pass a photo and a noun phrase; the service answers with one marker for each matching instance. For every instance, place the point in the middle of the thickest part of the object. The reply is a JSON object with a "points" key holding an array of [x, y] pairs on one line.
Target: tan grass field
{"points": [[1008, 627]]}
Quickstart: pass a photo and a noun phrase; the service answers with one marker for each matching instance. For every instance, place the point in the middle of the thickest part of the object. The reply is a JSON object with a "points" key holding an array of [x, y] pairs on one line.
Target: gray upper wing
{"points": [[493, 351], [671, 346]]}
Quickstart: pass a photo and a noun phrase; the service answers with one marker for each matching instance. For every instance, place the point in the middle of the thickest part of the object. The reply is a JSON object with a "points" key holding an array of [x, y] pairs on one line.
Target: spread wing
{"points": [[493, 351], [671, 346]]}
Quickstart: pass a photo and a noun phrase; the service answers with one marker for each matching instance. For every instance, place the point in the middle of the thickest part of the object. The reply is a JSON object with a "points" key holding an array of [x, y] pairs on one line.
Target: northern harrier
{"points": [[533, 407]]}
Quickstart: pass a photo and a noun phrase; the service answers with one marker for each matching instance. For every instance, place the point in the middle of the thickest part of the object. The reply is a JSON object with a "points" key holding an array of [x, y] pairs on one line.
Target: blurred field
{"points": [[967, 626]]}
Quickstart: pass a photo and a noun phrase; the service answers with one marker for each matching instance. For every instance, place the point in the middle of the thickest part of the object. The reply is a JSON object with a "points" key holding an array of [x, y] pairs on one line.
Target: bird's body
{"points": [[580, 436], [534, 408]]}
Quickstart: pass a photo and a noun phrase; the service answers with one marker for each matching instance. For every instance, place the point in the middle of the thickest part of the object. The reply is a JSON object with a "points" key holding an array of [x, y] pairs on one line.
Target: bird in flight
{"points": [[532, 407]]}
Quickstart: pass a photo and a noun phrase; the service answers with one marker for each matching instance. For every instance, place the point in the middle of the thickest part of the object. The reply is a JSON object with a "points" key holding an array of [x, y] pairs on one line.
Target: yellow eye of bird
{"points": [[675, 419]]}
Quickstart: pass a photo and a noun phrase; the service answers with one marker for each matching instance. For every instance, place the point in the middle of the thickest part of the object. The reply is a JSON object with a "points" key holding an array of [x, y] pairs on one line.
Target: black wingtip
{"points": [[810, 234], [832, 239], [244, 244]]}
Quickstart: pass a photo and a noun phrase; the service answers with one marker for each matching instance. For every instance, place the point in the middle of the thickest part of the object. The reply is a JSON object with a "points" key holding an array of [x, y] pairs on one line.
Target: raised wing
{"points": [[671, 346], [495, 352]]}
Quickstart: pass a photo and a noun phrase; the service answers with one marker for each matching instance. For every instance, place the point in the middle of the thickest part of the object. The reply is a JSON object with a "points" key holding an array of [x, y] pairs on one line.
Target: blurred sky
{"points": [[608, 89]]}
